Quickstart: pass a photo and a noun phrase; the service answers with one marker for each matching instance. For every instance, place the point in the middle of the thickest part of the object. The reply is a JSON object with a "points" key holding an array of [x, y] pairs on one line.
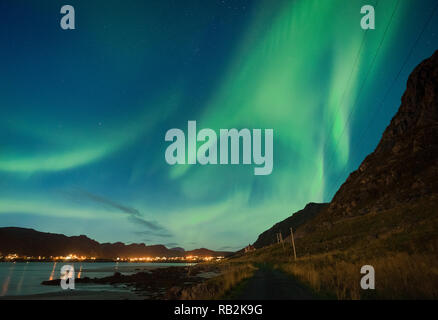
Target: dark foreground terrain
{"points": [[271, 284]]}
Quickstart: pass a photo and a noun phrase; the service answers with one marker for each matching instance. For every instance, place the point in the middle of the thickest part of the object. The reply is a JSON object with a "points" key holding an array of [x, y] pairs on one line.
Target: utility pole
{"points": [[281, 239], [293, 243]]}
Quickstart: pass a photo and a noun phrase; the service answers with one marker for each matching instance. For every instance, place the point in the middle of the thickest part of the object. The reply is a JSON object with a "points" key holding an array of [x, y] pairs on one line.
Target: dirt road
{"points": [[271, 284]]}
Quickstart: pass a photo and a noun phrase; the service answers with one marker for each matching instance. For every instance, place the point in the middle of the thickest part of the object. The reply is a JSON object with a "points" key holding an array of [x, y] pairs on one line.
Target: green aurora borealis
{"points": [[83, 113]]}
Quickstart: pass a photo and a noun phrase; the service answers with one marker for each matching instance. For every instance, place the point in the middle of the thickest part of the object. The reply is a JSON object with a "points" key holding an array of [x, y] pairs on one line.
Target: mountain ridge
{"points": [[294, 221], [30, 242]]}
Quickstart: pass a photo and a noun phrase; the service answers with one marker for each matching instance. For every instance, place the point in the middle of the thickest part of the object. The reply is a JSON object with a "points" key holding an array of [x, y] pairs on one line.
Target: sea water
{"points": [[24, 278]]}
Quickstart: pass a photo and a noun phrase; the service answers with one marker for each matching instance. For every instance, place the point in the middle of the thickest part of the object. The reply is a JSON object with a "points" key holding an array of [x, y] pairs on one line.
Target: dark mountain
{"points": [[404, 166], [34, 243], [294, 221], [206, 253], [391, 201]]}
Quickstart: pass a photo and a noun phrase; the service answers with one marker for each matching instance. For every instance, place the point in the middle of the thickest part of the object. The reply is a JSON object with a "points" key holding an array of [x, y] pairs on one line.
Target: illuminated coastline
{"points": [[14, 257]]}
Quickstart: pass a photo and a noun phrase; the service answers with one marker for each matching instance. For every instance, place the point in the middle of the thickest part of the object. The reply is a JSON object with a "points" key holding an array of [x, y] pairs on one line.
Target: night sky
{"points": [[83, 113]]}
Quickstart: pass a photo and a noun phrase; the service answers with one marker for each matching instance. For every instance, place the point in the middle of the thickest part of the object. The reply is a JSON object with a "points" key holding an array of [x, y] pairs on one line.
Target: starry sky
{"points": [[84, 112]]}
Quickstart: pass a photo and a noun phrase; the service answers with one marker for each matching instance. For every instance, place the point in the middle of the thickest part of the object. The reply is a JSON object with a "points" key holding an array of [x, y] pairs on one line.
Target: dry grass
{"points": [[216, 288], [400, 243], [336, 274], [398, 276]]}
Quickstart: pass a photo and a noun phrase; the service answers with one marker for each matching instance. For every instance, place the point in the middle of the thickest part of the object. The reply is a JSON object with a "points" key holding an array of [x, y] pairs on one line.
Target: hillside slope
{"points": [[294, 221]]}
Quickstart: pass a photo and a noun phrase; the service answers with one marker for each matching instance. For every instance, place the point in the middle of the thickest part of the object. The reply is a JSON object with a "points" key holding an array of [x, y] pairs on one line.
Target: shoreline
{"points": [[79, 295], [139, 283]]}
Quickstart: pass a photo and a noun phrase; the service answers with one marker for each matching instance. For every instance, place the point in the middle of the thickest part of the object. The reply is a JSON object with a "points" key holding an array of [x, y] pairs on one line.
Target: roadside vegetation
{"points": [[401, 244], [336, 275], [398, 276], [232, 275]]}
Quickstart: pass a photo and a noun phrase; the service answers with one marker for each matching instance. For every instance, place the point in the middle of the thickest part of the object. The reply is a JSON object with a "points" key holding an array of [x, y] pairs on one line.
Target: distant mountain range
{"points": [[30, 242], [392, 198]]}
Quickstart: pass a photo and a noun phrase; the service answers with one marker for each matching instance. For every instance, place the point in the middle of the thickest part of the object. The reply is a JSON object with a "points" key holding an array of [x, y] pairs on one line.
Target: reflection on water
{"points": [[23, 273], [24, 278], [53, 272], [7, 280], [5, 285]]}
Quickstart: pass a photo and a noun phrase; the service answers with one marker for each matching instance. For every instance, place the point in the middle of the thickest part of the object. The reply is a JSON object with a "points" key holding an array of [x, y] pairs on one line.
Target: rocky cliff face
{"points": [[404, 166], [391, 200]]}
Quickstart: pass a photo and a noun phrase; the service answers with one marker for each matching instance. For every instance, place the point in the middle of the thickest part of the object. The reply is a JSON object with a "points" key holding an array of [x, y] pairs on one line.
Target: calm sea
{"points": [[24, 278]]}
